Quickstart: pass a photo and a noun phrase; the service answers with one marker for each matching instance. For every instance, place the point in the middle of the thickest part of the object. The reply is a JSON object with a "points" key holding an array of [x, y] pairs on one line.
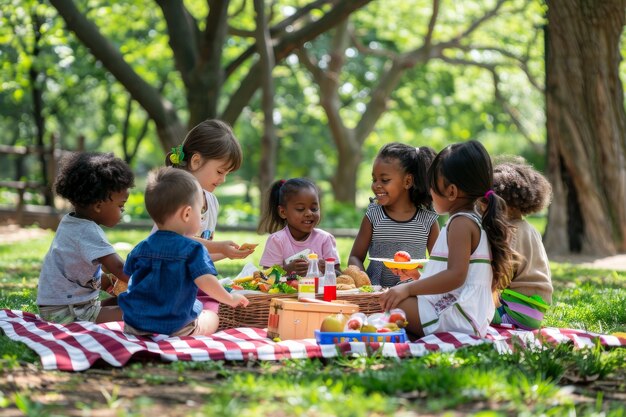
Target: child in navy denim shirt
{"points": [[168, 267]]}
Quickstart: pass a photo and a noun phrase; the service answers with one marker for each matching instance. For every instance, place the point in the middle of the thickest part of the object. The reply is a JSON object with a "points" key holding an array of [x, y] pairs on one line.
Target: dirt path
{"points": [[13, 233]]}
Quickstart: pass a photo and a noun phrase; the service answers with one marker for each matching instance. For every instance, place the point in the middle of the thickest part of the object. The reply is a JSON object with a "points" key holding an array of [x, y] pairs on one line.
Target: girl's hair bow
{"points": [[177, 156]]}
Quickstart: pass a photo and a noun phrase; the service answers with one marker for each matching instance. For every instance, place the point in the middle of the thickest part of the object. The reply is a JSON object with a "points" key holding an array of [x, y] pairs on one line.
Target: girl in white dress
{"points": [[472, 257]]}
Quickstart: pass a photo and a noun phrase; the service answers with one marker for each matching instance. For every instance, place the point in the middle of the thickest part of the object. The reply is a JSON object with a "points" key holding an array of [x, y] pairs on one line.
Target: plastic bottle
{"points": [[330, 281], [308, 283], [314, 270]]}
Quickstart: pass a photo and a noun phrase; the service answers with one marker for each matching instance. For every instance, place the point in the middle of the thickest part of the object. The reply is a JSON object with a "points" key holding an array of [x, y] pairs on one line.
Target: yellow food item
{"points": [[247, 246], [333, 323], [392, 326], [368, 328], [243, 279], [119, 287]]}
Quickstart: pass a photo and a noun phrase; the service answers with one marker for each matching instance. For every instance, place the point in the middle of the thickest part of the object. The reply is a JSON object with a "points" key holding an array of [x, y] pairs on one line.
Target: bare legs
{"points": [[409, 305]]}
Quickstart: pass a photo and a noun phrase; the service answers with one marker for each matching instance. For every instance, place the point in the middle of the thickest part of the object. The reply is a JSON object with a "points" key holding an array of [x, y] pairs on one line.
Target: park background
{"points": [[314, 88]]}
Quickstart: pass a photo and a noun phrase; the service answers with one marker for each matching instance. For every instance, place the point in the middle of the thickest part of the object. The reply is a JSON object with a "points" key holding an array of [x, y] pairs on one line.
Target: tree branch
{"points": [[476, 24], [513, 113], [522, 61], [431, 24], [183, 36], [286, 46], [274, 33], [310, 64], [159, 109]]}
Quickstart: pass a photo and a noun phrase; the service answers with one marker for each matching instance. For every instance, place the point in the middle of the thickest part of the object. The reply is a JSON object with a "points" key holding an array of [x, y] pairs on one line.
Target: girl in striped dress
{"points": [[472, 257], [402, 217]]}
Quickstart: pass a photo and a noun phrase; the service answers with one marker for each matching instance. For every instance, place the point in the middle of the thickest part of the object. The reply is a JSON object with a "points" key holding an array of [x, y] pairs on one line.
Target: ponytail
{"points": [[279, 192], [271, 221], [499, 232], [468, 166]]}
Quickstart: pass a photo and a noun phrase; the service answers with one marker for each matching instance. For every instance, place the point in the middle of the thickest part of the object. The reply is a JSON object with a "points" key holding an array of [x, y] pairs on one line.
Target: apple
{"points": [[354, 324], [402, 256], [398, 317], [333, 323]]}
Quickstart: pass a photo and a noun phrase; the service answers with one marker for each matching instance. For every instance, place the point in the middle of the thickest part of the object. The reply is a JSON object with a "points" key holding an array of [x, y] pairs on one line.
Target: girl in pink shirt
{"points": [[292, 212]]}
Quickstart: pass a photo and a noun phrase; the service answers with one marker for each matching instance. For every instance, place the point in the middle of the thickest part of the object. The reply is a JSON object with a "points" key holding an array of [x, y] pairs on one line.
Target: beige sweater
{"points": [[533, 274]]}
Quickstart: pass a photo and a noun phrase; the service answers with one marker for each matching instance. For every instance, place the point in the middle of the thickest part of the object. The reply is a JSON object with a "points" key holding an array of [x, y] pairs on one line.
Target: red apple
{"points": [[402, 256], [354, 324]]}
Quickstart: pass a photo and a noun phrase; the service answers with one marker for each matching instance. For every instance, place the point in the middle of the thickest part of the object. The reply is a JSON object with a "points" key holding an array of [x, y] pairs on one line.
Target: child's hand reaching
{"points": [[232, 250], [391, 298], [406, 274], [238, 300]]}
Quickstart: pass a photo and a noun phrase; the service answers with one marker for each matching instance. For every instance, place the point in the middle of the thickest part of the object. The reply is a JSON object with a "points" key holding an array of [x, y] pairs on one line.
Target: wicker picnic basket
{"points": [[257, 312]]}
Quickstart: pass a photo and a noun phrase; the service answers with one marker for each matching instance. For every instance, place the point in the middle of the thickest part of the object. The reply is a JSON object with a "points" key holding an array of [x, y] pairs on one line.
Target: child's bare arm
{"points": [[463, 238], [224, 249], [114, 264], [210, 285], [432, 237], [361, 244], [465, 235]]}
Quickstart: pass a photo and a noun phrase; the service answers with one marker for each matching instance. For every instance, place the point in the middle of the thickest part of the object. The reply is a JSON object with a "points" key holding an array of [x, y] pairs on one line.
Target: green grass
{"points": [[551, 381]]}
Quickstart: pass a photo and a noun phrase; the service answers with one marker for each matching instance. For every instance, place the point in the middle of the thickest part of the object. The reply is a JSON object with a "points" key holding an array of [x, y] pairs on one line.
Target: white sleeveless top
{"points": [[208, 219], [469, 308]]}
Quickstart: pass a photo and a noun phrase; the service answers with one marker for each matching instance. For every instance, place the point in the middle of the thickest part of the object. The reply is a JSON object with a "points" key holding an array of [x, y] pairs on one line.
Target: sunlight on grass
{"points": [[477, 380]]}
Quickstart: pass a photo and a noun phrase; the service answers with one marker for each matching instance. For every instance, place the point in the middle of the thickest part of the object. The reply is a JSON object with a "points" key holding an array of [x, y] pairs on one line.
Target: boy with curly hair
{"points": [[526, 191], [97, 185]]}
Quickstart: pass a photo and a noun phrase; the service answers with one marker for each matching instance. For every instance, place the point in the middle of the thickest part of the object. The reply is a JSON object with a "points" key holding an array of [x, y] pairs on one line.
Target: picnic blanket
{"points": [[78, 346]]}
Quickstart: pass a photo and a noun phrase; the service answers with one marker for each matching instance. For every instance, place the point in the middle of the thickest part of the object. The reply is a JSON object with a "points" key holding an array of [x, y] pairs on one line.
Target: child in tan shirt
{"points": [[525, 191]]}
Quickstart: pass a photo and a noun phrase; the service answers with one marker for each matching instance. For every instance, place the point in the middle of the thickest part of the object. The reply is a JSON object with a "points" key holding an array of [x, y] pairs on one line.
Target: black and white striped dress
{"points": [[390, 236]]}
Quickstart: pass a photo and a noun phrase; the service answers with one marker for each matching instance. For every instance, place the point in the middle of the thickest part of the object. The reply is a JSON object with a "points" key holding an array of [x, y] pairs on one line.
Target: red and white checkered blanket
{"points": [[78, 346]]}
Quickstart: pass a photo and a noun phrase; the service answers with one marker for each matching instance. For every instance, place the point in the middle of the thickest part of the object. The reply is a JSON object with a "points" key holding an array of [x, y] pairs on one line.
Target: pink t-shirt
{"points": [[281, 245]]}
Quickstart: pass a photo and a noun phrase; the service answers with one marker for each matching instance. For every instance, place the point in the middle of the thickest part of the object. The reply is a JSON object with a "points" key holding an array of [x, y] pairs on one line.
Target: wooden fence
{"points": [[46, 216]]}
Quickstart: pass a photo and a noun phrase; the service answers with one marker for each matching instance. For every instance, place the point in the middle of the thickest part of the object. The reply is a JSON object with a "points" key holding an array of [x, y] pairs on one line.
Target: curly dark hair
{"points": [[521, 186], [87, 178]]}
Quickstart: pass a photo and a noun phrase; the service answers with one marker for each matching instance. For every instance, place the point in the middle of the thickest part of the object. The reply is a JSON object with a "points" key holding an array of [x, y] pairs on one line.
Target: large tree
{"points": [[586, 126], [442, 34], [197, 46]]}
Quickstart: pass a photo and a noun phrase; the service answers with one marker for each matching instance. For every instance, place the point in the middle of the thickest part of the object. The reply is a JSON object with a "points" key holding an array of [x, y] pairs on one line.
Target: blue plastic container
{"points": [[331, 338]]}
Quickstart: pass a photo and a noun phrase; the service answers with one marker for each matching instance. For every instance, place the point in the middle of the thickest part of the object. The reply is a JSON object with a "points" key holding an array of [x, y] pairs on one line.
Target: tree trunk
{"points": [[349, 157], [38, 106], [269, 145], [169, 129], [586, 127]]}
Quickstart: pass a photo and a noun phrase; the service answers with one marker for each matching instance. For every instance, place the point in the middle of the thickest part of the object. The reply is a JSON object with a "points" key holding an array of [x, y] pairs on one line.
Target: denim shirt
{"points": [[161, 296]]}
